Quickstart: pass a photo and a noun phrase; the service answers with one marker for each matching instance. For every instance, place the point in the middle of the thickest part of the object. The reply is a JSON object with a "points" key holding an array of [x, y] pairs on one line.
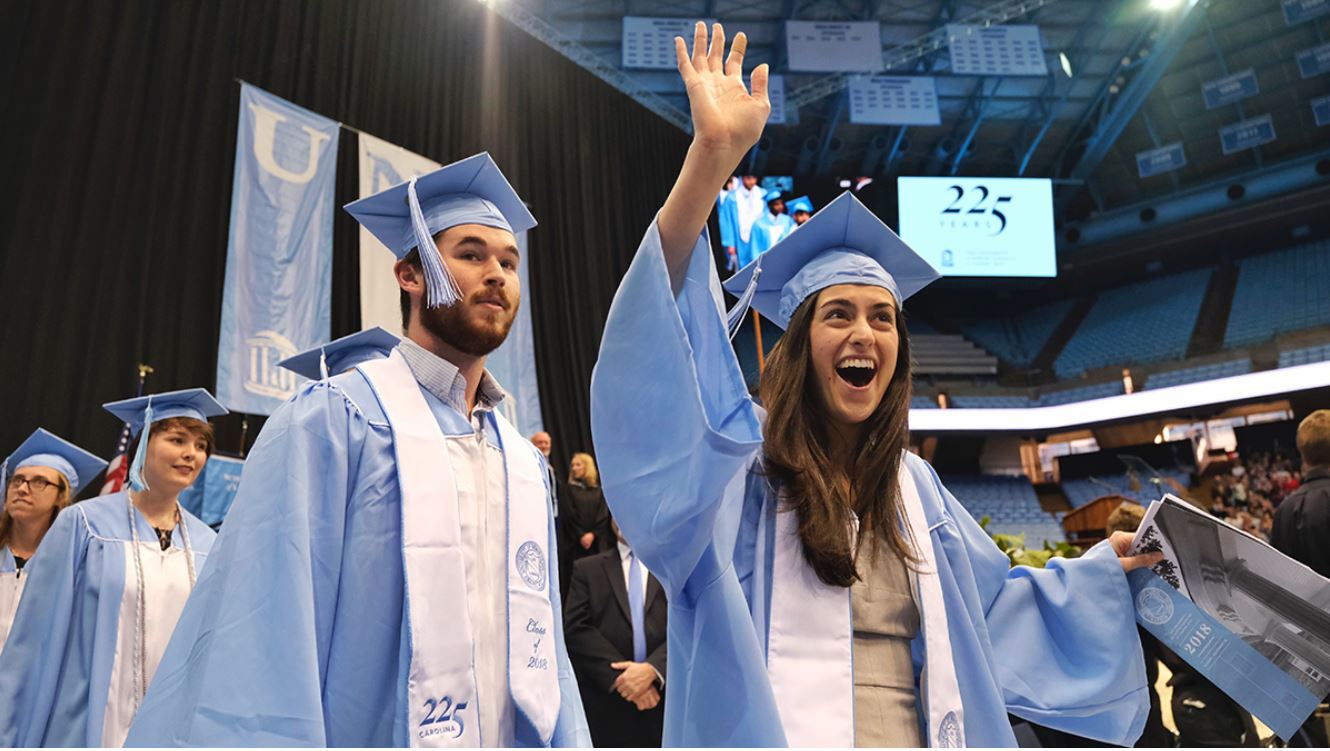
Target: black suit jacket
{"points": [[598, 631]]}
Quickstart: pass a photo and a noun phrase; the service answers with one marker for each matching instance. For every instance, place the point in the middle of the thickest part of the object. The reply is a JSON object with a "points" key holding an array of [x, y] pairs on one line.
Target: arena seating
{"points": [[1198, 373], [949, 354], [1304, 355], [1282, 291], [1144, 322], [920, 401], [1018, 339], [1080, 393], [1009, 502], [1083, 490], [1000, 401]]}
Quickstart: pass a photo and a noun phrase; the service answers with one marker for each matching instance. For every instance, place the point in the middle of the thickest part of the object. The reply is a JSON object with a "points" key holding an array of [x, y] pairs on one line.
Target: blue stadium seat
{"points": [[1198, 373], [1018, 339], [1144, 322], [1282, 291], [1304, 355], [1010, 503]]}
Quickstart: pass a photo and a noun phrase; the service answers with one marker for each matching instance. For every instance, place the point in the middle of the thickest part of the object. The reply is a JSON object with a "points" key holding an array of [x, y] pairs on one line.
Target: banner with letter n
{"points": [[382, 165], [279, 256]]}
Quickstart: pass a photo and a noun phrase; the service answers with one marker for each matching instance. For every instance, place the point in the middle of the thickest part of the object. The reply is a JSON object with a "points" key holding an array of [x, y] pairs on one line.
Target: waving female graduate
{"points": [[107, 586], [825, 588]]}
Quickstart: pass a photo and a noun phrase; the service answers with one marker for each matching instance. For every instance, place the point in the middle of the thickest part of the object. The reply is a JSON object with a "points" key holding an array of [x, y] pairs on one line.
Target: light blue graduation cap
{"points": [[802, 203], [773, 194], [46, 449], [409, 214], [141, 412], [844, 243], [340, 355]]}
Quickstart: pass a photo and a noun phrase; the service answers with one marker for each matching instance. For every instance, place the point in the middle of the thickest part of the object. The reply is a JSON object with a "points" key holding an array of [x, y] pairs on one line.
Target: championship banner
{"points": [[382, 165], [277, 299]]}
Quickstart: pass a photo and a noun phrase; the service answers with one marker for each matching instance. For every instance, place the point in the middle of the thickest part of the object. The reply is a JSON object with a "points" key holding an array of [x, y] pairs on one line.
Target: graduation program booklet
{"points": [[1253, 621]]}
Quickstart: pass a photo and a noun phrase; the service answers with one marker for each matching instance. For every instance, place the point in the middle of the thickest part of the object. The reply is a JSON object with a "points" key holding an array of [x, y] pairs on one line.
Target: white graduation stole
{"points": [[810, 639], [441, 684]]}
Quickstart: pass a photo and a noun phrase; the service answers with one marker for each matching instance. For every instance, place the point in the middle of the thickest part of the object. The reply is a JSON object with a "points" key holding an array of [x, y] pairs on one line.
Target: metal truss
{"points": [[537, 27]]}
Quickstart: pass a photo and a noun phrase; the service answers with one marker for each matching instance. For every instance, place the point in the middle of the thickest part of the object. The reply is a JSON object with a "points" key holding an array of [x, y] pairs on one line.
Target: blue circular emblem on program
{"points": [[949, 732], [1154, 605], [531, 565]]}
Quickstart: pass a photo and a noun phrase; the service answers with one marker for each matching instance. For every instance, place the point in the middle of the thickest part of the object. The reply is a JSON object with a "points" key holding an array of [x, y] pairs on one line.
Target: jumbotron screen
{"points": [[980, 226]]}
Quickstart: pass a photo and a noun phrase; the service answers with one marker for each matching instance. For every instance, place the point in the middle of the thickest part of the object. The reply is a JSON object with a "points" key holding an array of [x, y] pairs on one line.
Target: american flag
{"points": [[118, 469]]}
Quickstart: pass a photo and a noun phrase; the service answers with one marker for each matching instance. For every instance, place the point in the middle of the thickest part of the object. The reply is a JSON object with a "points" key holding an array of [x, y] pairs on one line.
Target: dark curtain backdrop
{"points": [[118, 149]]}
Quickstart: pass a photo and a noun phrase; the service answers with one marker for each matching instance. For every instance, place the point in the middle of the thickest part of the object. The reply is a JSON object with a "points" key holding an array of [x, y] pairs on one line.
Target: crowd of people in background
{"points": [[614, 611], [1249, 494]]}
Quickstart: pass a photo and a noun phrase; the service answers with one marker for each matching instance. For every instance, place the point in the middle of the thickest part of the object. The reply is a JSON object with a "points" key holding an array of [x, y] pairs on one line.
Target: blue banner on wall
{"points": [[279, 257], [1230, 89], [1247, 134], [1298, 11], [1321, 110], [1314, 61], [210, 497], [1166, 158]]}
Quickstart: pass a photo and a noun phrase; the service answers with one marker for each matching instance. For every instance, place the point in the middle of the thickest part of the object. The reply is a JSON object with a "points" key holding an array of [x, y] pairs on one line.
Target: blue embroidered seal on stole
{"points": [[530, 562], [949, 732]]}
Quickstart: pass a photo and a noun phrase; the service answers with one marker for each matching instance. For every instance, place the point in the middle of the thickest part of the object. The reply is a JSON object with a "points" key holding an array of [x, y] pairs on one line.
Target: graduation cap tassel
{"points": [[4, 481], [734, 319], [323, 363], [440, 287], [137, 482]]}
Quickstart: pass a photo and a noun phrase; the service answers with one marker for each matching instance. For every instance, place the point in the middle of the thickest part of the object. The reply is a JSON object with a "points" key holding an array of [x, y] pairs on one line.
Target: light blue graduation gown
{"points": [[296, 632], [55, 671], [679, 440], [727, 212], [769, 230]]}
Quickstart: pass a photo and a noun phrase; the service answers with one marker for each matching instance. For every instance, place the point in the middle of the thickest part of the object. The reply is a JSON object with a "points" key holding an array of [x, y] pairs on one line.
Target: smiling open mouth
{"points": [[856, 371]]}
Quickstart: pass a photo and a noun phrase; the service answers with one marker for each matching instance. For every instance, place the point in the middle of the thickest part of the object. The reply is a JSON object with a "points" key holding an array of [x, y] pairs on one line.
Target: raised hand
{"points": [[727, 118], [727, 121]]}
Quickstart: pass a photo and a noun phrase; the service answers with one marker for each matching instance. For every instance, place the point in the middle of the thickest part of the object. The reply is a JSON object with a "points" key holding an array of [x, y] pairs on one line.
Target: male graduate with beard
{"points": [[384, 577]]}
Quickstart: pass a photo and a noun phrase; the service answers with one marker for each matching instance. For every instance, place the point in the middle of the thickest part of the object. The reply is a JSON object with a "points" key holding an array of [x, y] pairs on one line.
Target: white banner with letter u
{"points": [[277, 298]]}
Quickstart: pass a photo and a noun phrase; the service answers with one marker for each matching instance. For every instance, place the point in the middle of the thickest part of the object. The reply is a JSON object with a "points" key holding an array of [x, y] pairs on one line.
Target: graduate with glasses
{"points": [[107, 586], [40, 478], [825, 589]]}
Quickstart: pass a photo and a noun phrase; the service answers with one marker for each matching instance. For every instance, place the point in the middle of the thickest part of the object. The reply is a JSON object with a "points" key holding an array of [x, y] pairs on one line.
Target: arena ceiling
{"points": [[1136, 75]]}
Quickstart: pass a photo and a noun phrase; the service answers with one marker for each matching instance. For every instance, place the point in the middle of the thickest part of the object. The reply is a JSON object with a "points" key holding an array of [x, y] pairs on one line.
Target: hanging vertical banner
{"points": [[382, 165], [279, 256]]}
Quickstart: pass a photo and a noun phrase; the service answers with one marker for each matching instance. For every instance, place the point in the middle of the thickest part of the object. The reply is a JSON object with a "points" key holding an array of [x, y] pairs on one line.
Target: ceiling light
{"points": [[1066, 64], [1165, 4]]}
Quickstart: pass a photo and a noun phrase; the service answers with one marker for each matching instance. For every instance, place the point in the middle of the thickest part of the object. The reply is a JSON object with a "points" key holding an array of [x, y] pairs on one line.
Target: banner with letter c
{"points": [[277, 299]]}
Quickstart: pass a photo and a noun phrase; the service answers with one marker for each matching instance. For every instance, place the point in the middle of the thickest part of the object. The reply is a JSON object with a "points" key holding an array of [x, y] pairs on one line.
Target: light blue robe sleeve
{"points": [[672, 419], [246, 664], [36, 665], [1064, 639]]}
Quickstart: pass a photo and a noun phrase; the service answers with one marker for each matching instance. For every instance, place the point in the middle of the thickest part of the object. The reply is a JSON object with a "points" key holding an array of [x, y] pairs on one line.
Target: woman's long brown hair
{"points": [[819, 490]]}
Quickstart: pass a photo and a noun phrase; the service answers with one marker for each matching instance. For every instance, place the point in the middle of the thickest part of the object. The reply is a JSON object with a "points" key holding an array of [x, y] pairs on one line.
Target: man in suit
{"points": [[614, 625]]}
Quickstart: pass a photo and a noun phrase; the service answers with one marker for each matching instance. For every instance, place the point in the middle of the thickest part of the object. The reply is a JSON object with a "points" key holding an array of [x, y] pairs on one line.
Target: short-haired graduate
{"points": [[825, 589], [384, 577], [107, 586]]}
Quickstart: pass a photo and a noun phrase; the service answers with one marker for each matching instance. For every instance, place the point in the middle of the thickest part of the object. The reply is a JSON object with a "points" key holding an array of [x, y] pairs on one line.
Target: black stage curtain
{"points": [[118, 147]]}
